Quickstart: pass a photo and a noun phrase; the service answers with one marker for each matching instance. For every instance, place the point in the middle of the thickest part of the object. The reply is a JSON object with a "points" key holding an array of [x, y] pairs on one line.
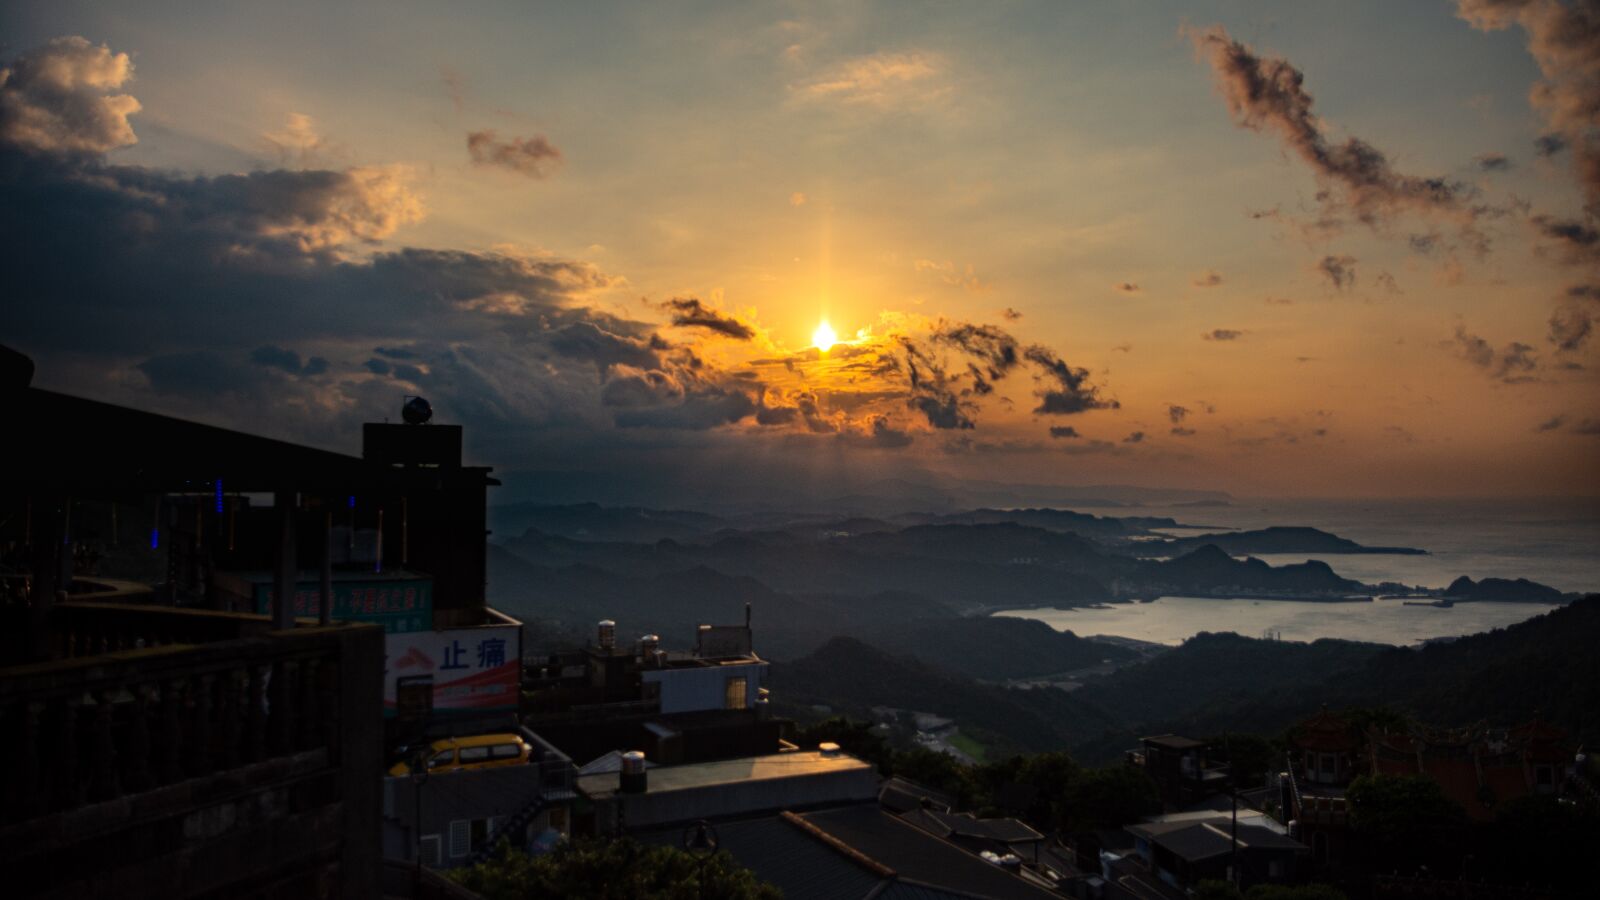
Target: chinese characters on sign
{"points": [[400, 606]]}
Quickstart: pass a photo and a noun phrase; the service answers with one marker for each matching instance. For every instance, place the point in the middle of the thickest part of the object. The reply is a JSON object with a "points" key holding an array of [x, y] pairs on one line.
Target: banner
{"points": [[470, 669], [399, 605]]}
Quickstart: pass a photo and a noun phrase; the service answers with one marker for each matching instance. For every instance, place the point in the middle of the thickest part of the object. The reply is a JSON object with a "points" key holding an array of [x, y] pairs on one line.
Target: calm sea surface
{"points": [[1554, 542], [1172, 620]]}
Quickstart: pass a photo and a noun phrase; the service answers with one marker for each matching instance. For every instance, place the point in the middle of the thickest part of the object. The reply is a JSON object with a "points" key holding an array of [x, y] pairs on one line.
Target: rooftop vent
{"points": [[635, 779]]}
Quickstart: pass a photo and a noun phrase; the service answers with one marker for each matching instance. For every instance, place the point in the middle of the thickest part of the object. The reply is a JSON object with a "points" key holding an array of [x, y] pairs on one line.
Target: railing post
{"points": [[227, 716], [103, 751], [280, 721], [255, 718], [170, 736], [67, 789], [136, 770], [308, 732], [200, 730]]}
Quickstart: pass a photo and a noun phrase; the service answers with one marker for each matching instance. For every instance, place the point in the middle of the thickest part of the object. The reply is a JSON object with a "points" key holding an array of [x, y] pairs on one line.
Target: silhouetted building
{"points": [[674, 706], [1180, 769], [155, 747]]}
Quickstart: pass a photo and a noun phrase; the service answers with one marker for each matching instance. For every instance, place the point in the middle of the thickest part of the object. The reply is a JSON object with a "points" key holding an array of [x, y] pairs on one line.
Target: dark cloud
{"points": [[1493, 162], [1268, 94], [534, 157], [1072, 392], [59, 99], [1127, 287], [1548, 145], [1564, 38], [1223, 334], [592, 343], [201, 373], [942, 411], [1588, 427], [1552, 424], [1183, 432], [629, 387], [1387, 283], [878, 433], [1176, 413], [1010, 315], [689, 312], [1515, 363], [1064, 431], [701, 409], [1339, 270], [287, 360], [1134, 438], [1207, 279], [378, 366], [396, 352], [1570, 326], [1578, 242]]}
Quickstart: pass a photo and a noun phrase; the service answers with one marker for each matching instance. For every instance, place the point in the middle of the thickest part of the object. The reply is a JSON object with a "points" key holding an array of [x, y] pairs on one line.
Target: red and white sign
{"points": [[472, 669]]}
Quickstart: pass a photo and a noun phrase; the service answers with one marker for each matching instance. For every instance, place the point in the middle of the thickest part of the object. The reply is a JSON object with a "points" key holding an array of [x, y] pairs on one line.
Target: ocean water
{"points": [[1172, 620], [1554, 542]]}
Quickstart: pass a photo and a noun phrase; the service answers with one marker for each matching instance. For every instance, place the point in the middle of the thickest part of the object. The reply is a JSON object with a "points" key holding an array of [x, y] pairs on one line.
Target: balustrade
{"points": [[88, 729]]}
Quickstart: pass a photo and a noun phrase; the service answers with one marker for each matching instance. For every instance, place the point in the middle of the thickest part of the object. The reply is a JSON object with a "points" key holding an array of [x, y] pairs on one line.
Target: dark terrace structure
{"points": [[160, 738]]}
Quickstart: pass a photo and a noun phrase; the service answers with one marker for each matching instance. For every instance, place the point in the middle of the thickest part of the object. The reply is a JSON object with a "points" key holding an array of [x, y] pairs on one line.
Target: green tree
{"points": [[1107, 798], [1395, 808], [1249, 756], [853, 737], [613, 870]]}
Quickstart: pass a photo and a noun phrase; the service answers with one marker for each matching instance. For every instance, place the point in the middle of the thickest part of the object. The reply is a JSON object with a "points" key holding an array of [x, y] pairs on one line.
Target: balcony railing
{"points": [[145, 697]]}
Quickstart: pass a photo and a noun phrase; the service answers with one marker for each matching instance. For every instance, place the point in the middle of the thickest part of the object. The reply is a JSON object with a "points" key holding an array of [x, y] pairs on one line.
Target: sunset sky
{"points": [[1270, 248]]}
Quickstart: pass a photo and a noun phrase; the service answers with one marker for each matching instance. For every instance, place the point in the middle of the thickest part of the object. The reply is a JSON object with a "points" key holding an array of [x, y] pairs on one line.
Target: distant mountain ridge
{"points": [[1275, 539]]}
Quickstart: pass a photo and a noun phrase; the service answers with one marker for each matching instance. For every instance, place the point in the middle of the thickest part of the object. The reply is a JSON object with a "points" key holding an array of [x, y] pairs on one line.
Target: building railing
{"points": [[149, 697]]}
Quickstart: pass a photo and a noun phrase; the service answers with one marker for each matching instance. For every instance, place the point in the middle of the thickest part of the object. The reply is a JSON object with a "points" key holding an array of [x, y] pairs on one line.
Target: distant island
{"points": [[1276, 539], [1503, 590]]}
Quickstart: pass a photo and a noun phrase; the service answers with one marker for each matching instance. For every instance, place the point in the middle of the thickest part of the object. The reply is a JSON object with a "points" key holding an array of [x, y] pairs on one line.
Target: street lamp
{"points": [[419, 777]]}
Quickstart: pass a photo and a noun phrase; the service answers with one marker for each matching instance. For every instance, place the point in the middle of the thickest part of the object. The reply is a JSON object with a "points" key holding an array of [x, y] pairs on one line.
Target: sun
{"points": [[823, 337]]}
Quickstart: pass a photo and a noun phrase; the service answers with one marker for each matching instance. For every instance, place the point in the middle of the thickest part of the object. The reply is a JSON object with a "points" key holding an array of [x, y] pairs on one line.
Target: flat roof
{"points": [[664, 779], [1173, 741]]}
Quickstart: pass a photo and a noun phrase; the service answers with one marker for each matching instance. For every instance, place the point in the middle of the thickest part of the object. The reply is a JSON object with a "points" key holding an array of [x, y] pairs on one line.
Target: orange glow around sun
{"points": [[823, 337]]}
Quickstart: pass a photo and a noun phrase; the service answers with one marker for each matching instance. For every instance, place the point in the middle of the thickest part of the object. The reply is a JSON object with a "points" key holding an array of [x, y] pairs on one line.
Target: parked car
{"points": [[479, 751]]}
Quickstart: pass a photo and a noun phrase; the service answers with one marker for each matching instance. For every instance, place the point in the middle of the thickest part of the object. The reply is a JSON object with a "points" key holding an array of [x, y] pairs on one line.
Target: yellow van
{"points": [[480, 751]]}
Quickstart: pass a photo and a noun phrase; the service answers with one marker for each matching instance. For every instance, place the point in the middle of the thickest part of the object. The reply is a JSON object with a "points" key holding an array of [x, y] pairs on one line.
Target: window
{"points": [[558, 818], [1544, 779], [442, 758], [470, 755], [481, 831], [431, 850], [460, 838], [505, 751], [734, 696]]}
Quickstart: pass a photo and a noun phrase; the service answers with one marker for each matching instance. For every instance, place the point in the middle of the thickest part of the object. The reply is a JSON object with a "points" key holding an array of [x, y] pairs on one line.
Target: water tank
{"points": [[635, 778], [828, 748], [608, 634], [648, 645]]}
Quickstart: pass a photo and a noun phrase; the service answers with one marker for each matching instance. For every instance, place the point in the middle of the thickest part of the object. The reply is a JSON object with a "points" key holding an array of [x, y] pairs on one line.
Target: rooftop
{"points": [[665, 779], [1173, 742], [1196, 841]]}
